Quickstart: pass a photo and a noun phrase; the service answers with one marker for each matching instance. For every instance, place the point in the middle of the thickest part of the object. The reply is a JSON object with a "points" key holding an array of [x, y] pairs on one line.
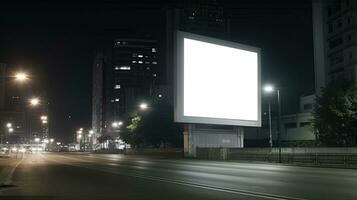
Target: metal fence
{"points": [[311, 157]]}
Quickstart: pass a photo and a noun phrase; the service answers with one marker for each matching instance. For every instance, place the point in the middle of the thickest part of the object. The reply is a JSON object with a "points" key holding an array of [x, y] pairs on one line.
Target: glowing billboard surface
{"points": [[217, 82]]}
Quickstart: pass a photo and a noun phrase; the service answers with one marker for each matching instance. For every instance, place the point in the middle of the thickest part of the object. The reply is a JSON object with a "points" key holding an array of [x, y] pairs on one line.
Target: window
{"points": [[304, 124], [140, 62], [159, 95], [336, 42], [290, 125], [134, 61], [125, 68], [116, 87], [116, 100], [147, 62], [140, 56], [154, 62], [116, 68], [330, 28], [339, 23], [153, 50], [154, 75]]}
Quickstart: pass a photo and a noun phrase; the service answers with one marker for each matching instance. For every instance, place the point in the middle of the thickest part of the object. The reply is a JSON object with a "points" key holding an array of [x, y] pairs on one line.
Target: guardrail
{"points": [[344, 160]]}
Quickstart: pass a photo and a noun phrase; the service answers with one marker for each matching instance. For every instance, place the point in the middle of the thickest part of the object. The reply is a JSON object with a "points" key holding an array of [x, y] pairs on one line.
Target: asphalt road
{"points": [[100, 176]]}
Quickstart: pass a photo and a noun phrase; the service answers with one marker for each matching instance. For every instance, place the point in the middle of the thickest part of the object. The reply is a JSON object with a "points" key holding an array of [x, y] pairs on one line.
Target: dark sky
{"points": [[57, 41]]}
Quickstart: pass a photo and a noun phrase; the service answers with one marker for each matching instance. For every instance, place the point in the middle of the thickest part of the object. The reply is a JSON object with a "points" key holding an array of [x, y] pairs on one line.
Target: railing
{"points": [[337, 159]]}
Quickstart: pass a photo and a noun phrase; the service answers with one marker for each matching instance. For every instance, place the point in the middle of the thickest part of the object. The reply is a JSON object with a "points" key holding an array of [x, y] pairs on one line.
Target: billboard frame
{"points": [[179, 81]]}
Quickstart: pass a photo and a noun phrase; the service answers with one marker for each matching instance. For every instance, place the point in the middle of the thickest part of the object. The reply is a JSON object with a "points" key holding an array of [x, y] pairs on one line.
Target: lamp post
{"points": [[270, 89]]}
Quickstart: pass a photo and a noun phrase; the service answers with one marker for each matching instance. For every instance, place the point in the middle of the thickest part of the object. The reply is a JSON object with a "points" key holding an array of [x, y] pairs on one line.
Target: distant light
{"points": [[21, 76], [159, 95], [8, 125], [125, 67], [115, 124], [90, 131], [43, 117], [268, 88], [140, 56], [11, 130], [37, 139], [117, 87], [22, 150], [45, 141], [58, 143], [34, 101], [81, 129], [44, 122], [143, 106], [14, 149], [153, 50], [52, 140], [79, 136], [116, 100]]}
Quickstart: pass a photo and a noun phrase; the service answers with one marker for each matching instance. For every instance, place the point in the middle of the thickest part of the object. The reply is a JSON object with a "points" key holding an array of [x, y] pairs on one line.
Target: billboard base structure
{"points": [[199, 135]]}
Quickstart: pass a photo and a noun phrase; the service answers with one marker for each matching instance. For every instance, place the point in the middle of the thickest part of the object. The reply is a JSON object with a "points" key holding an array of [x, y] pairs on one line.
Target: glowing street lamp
{"points": [[268, 88], [8, 125], [11, 130], [143, 106], [52, 140], [34, 101], [21, 76]]}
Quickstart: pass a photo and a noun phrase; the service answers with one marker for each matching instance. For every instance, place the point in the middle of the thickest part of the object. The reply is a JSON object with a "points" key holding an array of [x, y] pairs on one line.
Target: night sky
{"points": [[57, 42]]}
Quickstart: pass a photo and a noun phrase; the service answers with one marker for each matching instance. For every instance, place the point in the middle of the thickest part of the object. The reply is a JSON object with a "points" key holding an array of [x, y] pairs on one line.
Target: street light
{"points": [[271, 89], [34, 101], [37, 139], [21, 76], [8, 125], [11, 130], [143, 106]]}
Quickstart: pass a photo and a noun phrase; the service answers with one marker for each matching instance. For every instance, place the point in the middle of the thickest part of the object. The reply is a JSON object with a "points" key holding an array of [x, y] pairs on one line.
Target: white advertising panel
{"points": [[217, 82]]}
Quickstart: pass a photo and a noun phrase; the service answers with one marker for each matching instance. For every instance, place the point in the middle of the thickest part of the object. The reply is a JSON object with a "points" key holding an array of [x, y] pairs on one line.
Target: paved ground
{"points": [[85, 176]]}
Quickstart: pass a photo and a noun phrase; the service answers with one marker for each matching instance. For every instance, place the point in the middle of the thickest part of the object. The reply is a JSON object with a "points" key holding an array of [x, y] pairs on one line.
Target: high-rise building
{"points": [[335, 41], [124, 75]]}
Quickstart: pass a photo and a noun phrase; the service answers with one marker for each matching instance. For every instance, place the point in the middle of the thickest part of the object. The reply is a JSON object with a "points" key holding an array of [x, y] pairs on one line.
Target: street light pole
{"points": [[270, 134], [278, 124]]}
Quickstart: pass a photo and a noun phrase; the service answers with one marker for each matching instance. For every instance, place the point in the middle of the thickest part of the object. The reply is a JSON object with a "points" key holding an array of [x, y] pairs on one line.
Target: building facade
{"points": [[335, 41]]}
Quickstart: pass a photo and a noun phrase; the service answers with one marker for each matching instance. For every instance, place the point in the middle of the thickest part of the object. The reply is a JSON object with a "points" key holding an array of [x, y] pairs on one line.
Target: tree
{"points": [[155, 128], [335, 115]]}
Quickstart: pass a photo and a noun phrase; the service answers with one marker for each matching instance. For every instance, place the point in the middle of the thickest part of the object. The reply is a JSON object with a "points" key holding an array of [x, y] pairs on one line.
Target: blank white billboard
{"points": [[217, 82]]}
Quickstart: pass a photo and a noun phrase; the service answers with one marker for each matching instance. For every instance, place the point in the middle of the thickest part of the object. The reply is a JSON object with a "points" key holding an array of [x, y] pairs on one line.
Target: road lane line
{"points": [[8, 179], [185, 183]]}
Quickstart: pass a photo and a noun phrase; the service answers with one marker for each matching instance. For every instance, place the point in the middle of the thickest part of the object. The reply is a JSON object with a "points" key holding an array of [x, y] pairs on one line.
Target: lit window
{"points": [[159, 95], [134, 61], [154, 62], [140, 62], [153, 50], [116, 100], [147, 62], [125, 68], [140, 56], [117, 87], [116, 68], [154, 75], [112, 100]]}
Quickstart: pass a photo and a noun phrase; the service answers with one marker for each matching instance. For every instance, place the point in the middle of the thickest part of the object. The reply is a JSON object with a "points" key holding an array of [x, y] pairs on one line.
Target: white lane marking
{"points": [[197, 185], [8, 179]]}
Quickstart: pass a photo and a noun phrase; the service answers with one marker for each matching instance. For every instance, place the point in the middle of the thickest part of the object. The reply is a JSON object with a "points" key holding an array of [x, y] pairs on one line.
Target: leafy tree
{"points": [[335, 115], [156, 128]]}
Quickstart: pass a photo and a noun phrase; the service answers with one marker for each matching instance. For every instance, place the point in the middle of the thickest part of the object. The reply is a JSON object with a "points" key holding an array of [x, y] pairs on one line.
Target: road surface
{"points": [[103, 176]]}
